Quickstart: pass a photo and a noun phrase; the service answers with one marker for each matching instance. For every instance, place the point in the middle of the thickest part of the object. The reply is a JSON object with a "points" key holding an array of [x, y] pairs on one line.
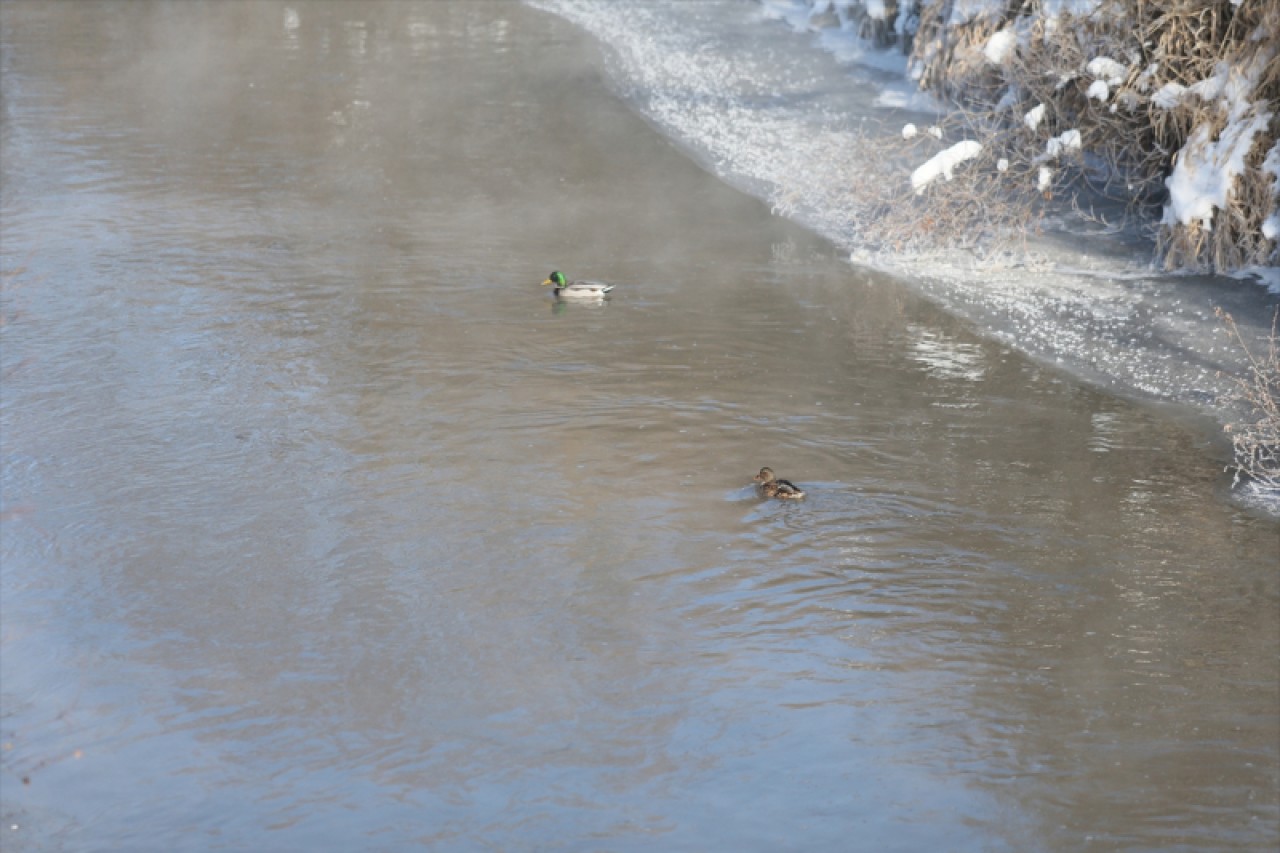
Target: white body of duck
{"points": [[580, 289]]}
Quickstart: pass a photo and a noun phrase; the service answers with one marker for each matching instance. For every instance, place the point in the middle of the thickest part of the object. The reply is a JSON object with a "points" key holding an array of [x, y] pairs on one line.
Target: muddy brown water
{"points": [[326, 528]]}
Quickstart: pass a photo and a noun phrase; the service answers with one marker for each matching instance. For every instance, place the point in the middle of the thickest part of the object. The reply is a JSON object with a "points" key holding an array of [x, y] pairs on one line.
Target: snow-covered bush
{"points": [[1170, 107], [1224, 183]]}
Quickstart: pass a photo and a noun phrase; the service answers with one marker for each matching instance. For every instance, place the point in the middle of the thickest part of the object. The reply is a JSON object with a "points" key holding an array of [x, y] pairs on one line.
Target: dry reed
{"points": [[1176, 72], [1256, 439]]}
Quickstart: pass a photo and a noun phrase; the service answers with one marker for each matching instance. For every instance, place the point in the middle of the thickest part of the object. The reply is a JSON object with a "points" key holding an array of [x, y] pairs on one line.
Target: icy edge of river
{"points": [[776, 113]]}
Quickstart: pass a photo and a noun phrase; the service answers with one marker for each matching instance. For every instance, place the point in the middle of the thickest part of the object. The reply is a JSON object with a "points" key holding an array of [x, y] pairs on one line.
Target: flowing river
{"points": [[326, 528]]}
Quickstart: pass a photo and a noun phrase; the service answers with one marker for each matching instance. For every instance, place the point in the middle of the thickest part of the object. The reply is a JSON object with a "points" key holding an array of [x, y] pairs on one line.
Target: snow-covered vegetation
{"points": [[1168, 108], [1256, 437]]}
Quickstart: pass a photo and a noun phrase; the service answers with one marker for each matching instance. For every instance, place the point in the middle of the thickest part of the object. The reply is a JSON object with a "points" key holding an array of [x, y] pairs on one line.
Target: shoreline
{"points": [[1080, 302]]}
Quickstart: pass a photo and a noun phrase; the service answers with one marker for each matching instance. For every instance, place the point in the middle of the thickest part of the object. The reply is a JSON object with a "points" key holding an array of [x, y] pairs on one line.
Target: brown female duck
{"points": [[772, 487]]}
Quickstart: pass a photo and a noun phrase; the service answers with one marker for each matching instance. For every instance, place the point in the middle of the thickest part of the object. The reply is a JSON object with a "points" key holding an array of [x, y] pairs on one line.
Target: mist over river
{"points": [[324, 526], [781, 112]]}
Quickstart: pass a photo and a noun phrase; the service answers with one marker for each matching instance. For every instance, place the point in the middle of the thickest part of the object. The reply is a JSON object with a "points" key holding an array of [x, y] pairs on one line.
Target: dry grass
{"points": [[1129, 140], [1257, 439], [1202, 36]]}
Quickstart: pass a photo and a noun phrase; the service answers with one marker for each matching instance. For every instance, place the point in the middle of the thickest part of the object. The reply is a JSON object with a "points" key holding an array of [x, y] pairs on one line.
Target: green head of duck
{"points": [[580, 289]]}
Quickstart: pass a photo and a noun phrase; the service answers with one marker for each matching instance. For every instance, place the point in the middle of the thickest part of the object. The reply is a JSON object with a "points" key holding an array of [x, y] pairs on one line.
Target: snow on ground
{"points": [[1206, 169], [1107, 70], [1052, 11], [1064, 143], [968, 11], [943, 164], [903, 95], [847, 47], [1169, 95], [999, 46]]}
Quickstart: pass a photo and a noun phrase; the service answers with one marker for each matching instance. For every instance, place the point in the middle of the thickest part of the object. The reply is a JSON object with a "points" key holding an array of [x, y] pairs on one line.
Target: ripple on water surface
{"points": [[324, 524]]}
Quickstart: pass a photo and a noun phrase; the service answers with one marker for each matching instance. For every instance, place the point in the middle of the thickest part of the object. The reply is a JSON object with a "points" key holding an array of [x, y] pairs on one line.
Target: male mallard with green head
{"points": [[772, 487], [581, 289]]}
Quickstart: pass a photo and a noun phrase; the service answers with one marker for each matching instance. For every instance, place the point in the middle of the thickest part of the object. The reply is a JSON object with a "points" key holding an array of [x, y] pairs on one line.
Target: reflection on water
{"points": [[323, 525]]}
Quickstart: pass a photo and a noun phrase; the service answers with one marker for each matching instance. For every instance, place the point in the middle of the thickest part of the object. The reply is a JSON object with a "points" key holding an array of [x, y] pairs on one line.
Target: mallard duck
{"points": [[581, 289], [771, 487]]}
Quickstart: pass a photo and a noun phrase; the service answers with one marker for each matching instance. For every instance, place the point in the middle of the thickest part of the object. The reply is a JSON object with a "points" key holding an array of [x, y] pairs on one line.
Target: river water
{"points": [[325, 527], [783, 112]]}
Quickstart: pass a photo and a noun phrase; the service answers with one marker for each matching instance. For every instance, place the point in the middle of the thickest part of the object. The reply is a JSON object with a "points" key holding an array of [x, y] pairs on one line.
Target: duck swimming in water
{"points": [[772, 487], [581, 289]]}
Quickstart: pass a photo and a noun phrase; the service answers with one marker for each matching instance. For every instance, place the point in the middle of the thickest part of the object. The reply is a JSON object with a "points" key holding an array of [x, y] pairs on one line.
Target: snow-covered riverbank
{"points": [[778, 110]]}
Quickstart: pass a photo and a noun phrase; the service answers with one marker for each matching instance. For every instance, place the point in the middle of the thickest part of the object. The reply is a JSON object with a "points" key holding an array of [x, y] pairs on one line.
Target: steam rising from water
{"points": [[771, 111]]}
